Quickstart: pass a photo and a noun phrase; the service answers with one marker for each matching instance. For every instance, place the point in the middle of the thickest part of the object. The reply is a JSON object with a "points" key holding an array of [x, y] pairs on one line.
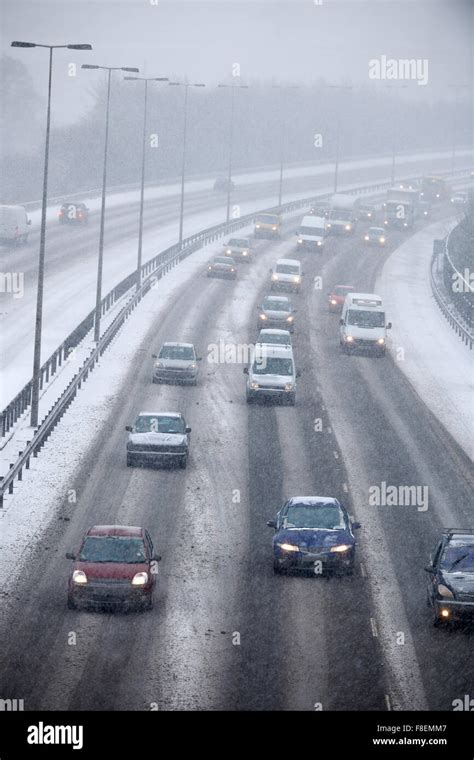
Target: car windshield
{"points": [[113, 549], [221, 260], [183, 353], [316, 231], [366, 318], [376, 231], [273, 304], [159, 424], [281, 340], [287, 269], [458, 558], [273, 366], [238, 243], [341, 214], [267, 219], [324, 516], [338, 291]]}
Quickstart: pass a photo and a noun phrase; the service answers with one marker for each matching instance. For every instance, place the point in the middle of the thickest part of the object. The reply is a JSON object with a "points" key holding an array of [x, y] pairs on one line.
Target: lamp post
{"points": [[282, 88], [456, 88], [142, 187], [186, 86], [98, 300], [40, 289], [338, 132], [232, 88]]}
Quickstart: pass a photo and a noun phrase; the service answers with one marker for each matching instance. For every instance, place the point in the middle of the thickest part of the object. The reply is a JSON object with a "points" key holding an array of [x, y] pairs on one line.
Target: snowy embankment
{"points": [[436, 362]]}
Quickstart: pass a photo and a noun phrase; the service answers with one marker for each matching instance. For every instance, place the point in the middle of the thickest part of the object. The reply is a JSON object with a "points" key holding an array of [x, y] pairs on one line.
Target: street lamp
{"points": [[39, 296], [231, 140], [338, 130], [283, 123], [456, 88], [98, 299], [186, 86], [142, 188], [395, 122]]}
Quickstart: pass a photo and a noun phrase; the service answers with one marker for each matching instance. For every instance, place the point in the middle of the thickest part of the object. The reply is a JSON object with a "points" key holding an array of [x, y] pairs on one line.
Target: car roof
{"points": [[314, 501], [291, 262], [171, 344], [278, 298], [460, 536], [160, 414], [378, 229], [116, 530], [365, 296], [274, 351], [274, 331], [347, 287]]}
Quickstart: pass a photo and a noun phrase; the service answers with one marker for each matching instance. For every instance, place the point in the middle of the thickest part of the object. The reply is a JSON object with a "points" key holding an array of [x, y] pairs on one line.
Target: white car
{"points": [[14, 223], [238, 249], [459, 199], [272, 375], [176, 362], [158, 437], [287, 275]]}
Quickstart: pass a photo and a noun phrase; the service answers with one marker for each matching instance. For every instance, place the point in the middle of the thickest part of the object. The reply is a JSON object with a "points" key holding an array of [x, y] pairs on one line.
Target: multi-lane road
{"points": [[225, 633]]}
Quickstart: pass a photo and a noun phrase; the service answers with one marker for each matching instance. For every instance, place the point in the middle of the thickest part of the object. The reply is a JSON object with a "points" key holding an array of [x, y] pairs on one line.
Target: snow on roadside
{"points": [[436, 362]]}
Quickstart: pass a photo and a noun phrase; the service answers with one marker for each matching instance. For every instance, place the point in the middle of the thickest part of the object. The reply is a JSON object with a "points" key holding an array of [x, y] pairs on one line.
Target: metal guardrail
{"points": [[463, 294], [454, 319], [153, 269]]}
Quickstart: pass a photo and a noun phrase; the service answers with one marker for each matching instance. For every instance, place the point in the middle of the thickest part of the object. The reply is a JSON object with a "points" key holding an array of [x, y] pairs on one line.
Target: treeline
{"points": [[368, 120]]}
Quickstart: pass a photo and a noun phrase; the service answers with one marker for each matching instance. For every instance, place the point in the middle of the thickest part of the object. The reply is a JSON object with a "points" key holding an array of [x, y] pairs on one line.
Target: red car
{"points": [[115, 565], [74, 213], [337, 296]]}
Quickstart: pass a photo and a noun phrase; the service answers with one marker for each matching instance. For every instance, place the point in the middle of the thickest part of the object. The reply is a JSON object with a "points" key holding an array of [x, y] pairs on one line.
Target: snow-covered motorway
{"points": [[363, 643], [71, 255]]}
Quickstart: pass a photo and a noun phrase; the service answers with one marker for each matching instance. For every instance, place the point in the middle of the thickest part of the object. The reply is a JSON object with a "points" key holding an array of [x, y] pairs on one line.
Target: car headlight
{"points": [[380, 341], [297, 278], [348, 227], [382, 240], [79, 576], [289, 547], [289, 386], [244, 253], [274, 229], [290, 319], [333, 302], [160, 365], [320, 242], [445, 592], [263, 316], [232, 269], [340, 548], [192, 366], [140, 579], [349, 338], [254, 386], [257, 226], [385, 222], [366, 237], [328, 225], [300, 240], [209, 267], [228, 250], [274, 277]]}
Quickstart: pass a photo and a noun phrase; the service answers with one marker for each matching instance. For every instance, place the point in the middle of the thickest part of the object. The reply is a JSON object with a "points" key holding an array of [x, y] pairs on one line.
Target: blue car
{"points": [[313, 533]]}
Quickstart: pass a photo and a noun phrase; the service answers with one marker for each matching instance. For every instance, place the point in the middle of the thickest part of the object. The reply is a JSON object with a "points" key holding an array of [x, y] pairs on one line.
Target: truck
{"points": [[434, 189], [343, 214], [311, 232], [401, 207], [14, 225]]}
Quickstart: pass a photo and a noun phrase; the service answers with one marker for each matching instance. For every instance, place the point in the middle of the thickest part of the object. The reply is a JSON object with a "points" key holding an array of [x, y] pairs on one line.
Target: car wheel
{"points": [[277, 568], [129, 461], [183, 462], [71, 604], [291, 400], [148, 604]]}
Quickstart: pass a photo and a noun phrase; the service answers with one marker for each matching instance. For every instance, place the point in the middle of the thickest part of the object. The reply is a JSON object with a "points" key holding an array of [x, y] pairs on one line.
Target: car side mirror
{"points": [[270, 271], [199, 358], [29, 221], [128, 428], [294, 311], [70, 555], [356, 525], [298, 374], [154, 356], [156, 558], [187, 430], [341, 322], [389, 326], [271, 523], [429, 569], [246, 370]]}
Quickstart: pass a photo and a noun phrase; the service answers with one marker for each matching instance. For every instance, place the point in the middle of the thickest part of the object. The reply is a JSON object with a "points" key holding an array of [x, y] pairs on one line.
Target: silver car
{"points": [[176, 362], [238, 249], [276, 311], [157, 438]]}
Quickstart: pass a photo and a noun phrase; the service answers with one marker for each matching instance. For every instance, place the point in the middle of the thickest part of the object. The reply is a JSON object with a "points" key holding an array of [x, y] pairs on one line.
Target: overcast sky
{"points": [[293, 41]]}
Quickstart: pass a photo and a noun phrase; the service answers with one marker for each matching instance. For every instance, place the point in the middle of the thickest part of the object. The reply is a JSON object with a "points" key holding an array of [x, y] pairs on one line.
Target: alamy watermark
{"points": [[384, 495], [401, 68], [13, 282]]}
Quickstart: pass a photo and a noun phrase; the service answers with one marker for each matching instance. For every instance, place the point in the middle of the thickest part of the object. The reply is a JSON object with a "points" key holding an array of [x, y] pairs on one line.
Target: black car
{"points": [[73, 213], [451, 576], [313, 533], [321, 208], [223, 184], [367, 211]]}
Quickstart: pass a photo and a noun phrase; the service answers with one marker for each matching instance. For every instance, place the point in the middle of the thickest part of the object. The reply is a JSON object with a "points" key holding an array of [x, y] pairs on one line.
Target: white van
{"points": [[272, 374], [14, 224], [287, 275], [362, 324], [311, 233]]}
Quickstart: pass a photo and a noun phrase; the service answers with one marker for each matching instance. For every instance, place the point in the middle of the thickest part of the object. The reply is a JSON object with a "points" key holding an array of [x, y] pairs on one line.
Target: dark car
{"points": [[451, 576], [157, 438], [222, 266], [367, 211], [375, 236], [313, 532], [321, 208], [74, 213], [276, 311], [223, 184], [115, 565]]}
